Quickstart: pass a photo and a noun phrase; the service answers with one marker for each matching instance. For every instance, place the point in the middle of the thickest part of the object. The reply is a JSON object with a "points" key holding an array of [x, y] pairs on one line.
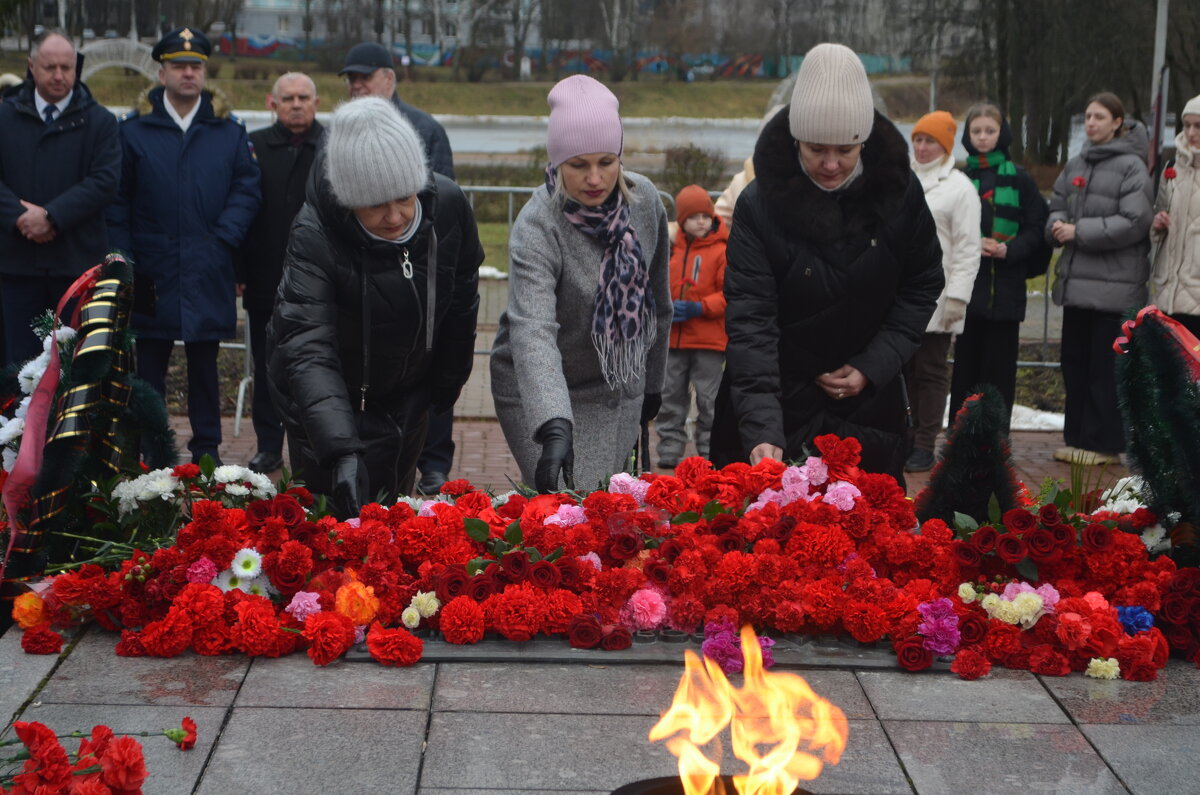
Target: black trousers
{"points": [[24, 298], [268, 428], [1093, 418], [439, 444], [928, 377], [985, 353], [204, 393]]}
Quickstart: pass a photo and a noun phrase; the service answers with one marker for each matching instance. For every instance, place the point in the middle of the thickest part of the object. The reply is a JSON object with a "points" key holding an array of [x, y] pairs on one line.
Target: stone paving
{"points": [[472, 728]]}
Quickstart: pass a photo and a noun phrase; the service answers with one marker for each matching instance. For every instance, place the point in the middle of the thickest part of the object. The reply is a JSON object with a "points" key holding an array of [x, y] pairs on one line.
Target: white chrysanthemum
{"points": [[500, 499], [237, 490], [966, 592], [32, 371], [228, 580], [247, 563], [23, 407], [260, 586], [426, 602], [230, 473], [9, 457], [125, 493], [1101, 668], [157, 485], [411, 617], [1155, 538], [11, 430], [411, 502], [261, 486]]}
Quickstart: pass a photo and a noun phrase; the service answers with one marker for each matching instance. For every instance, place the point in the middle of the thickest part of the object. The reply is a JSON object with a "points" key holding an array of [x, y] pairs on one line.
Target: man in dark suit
{"points": [[285, 153]]}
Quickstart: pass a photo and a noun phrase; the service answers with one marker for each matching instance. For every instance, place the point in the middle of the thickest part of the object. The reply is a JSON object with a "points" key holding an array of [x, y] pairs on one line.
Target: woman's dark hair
{"points": [[1113, 104]]}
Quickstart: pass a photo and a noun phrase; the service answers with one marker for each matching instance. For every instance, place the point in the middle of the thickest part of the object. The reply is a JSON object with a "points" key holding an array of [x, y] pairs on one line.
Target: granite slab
{"points": [[94, 674], [1150, 759], [20, 673], [170, 770], [597, 689], [316, 751], [1014, 757], [1003, 696], [1173, 698], [294, 681]]}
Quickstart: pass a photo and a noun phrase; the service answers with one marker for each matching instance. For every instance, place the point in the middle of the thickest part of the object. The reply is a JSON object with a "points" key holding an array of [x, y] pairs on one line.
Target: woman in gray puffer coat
{"points": [[580, 355], [1100, 214]]}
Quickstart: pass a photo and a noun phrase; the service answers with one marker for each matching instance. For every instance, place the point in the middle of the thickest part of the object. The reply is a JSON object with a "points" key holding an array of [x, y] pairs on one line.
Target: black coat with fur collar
{"points": [[817, 280]]}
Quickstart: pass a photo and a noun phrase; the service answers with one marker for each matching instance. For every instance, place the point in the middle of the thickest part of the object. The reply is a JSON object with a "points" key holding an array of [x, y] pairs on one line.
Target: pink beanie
{"points": [[583, 120]]}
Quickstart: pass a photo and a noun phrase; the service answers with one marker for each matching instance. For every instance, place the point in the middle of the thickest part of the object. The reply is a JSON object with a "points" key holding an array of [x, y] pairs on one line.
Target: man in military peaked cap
{"points": [[189, 191]]}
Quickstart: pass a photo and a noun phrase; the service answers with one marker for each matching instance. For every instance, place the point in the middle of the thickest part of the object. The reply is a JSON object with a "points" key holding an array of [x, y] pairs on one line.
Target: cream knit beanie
{"points": [[831, 103], [1192, 108], [373, 155]]}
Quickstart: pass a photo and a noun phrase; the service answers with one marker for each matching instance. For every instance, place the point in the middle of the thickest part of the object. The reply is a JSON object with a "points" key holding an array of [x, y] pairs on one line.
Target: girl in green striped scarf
{"points": [[1013, 217]]}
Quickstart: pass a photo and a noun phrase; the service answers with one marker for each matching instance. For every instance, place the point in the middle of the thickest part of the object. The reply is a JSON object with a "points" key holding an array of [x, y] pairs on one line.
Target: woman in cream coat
{"points": [[1176, 228], [955, 206]]}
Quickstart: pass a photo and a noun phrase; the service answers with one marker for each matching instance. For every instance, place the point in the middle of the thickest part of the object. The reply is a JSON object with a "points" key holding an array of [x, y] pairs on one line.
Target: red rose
{"points": [[1048, 515], [1042, 547], [731, 541], [584, 632], [966, 554], [329, 635], [397, 646], [615, 637], [984, 539], [544, 574], [1186, 581], [302, 495], [1046, 661], [912, 655], [1096, 538], [1079, 182], [1177, 608], [287, 507], [451, 583], [1169, 172], [972, 628], [1019, 521], [41, 640], [657, 572], [1064, 535], [970, 664], [482, 585], [515, 565], [623, 546], [258, 512], [1182, 640], [1011, 548], [568, 573]]}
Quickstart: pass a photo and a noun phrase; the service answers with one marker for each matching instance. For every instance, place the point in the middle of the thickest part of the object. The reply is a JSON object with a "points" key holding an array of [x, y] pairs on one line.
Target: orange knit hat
{"points": [[691, 200], [940, 126]]}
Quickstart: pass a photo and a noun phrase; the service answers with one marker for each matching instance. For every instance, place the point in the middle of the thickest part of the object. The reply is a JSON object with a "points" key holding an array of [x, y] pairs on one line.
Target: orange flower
{"points": [[357, 602], [28, 610]]}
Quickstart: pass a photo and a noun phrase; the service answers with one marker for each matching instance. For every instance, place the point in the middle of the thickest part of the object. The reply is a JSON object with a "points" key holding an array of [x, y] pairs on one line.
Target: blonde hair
{"points": [[983, 109], [560, 191]]}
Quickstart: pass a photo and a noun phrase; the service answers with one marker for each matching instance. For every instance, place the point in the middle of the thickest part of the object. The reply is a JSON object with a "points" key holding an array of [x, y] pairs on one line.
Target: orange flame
{"points": [[799, 731]]}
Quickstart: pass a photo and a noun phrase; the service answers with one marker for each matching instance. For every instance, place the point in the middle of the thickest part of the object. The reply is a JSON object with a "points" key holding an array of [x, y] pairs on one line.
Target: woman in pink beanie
{"points": [[580, 354]]}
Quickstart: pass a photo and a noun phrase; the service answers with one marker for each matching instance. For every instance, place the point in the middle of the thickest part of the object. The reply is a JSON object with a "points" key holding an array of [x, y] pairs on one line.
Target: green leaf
{"points": [[512, 533], [1028, 569], [534, 555], [207, 466], [477, 529], [687, 517], [994, 509], [500, 547], [476, 565], [714, 508], [555, 555], [964, 522]]}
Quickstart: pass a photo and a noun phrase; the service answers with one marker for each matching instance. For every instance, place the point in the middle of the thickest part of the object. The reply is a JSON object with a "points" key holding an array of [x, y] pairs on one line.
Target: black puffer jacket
{"points": [[999, 292], [322, 370], [817, 280]]}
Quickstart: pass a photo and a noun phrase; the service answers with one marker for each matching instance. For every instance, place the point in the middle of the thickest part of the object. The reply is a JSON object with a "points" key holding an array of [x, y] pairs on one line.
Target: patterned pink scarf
{"points": [[623, 327]]}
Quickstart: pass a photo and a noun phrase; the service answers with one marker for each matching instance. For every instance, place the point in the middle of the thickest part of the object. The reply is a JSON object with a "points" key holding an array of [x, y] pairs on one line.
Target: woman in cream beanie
{"points": [[834, 270], [580, 355], [374, 321]]}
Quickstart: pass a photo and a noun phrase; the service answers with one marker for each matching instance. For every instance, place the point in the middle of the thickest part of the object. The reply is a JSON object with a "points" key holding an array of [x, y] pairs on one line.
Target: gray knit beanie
{"points": [[831, 103], [373, 155]]}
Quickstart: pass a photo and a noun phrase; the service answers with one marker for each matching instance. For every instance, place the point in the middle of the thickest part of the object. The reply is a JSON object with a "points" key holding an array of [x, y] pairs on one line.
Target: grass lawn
{"points": [[494, 237]]}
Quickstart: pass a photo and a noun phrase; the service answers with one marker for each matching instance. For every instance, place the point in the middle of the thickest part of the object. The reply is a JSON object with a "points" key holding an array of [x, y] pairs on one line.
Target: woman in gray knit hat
{"points": [[834, 271], [374, 321], [580, 354]]}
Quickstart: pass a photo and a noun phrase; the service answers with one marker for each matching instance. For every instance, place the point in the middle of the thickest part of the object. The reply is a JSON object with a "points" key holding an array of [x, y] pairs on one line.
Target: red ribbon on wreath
{"points": [[1178, 332]]}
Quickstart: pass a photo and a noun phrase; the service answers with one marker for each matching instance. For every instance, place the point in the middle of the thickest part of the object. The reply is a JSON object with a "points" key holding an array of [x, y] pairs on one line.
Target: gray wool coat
{"points": [[544, 364], [1107, 266]]}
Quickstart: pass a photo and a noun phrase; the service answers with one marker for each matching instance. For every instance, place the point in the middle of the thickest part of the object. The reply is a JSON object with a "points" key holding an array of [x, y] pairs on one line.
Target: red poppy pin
{"points": [[1079, 182], [1169, 173]]}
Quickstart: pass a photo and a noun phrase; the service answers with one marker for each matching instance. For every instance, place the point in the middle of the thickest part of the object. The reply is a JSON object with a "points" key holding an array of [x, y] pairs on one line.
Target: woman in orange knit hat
{"points": [[697, 352]]}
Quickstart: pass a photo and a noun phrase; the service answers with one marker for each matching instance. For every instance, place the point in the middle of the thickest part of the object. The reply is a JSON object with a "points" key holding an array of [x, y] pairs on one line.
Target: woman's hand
{"points": [[765, 450], [1063, 232], [843, 382], [993, 249], [1162, 220]]}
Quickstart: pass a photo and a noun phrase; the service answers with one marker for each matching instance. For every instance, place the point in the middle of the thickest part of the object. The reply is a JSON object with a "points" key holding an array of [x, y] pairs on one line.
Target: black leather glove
{"points": [[651, 403], [558, 455], [350, 486]]}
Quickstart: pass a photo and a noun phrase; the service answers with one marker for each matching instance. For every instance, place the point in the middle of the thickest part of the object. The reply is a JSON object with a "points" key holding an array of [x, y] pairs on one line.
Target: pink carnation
{"points": [[592, 559], [645, 610], [568, 516], [841, 495], [624, 483], [303, 605], [815, 471], [1096, 601], [202, 571]]}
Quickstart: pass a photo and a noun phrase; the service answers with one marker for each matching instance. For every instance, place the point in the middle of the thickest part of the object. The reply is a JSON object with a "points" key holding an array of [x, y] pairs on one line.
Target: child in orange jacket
{"points": [[697, 348]]}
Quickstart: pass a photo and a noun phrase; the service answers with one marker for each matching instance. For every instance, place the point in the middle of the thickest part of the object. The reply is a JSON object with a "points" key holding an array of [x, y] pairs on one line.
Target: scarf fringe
{"points": [[623, 362]]}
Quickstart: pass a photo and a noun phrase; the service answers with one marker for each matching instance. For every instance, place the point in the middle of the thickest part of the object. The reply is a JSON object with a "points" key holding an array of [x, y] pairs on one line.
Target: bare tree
{"points": [[469, 14], [522, 16]]}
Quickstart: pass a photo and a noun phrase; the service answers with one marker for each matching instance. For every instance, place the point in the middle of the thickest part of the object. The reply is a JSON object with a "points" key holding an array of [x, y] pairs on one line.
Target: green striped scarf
{"points": [[1002, 203]]}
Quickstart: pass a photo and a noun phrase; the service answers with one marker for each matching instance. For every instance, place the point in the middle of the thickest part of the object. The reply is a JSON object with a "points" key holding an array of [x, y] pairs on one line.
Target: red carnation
{"points": [[457, 488], [1019, 521], [1011, 548], [1169, 172], [912, 654], [1079, 182], [1096, 538], [41, 640], [461, 621], [394, 646], [584, 632], [970, 664], [189, 735], [185, 471], [123, 766], [615, 637], [1046, 661], [329, 635], [985, 538]]}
